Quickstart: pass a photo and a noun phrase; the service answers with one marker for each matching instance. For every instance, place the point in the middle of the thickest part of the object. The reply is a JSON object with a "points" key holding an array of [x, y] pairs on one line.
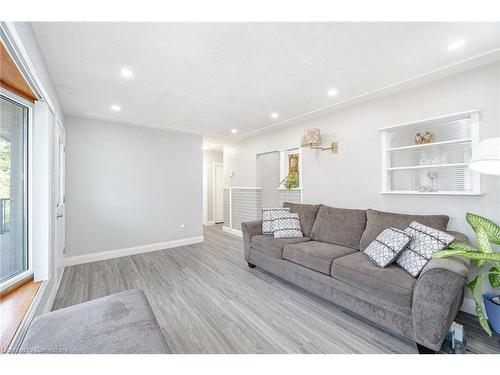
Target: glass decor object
{"points": [[432, 175]]}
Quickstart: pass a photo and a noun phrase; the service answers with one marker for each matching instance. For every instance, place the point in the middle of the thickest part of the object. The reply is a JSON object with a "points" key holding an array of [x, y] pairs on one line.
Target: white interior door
{"points": [[60, 198], [218, 193]]}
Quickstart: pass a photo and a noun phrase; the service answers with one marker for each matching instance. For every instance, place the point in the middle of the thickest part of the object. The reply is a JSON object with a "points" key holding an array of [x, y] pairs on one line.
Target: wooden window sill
{"points": [[13, 306]]}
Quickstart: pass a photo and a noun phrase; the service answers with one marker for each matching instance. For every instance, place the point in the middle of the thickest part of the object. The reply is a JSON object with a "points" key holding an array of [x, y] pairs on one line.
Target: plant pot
{"points": [[493, 311]]}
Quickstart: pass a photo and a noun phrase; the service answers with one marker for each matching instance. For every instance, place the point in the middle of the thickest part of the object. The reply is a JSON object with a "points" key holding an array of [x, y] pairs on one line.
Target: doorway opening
{"points": [[268, 178], [213, 184]]}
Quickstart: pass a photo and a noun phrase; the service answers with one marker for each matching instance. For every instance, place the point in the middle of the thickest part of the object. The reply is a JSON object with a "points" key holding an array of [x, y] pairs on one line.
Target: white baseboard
{"points": [[52, 294], [469, 306], [210, 222], [236, 232], [110, 254]]}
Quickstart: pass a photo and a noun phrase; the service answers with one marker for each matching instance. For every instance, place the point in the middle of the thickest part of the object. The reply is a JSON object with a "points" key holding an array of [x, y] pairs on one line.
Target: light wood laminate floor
{"points": [[207, 300]]}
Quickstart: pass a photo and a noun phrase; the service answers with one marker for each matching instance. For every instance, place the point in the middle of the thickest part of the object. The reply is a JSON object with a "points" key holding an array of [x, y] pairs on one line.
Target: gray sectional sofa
{"points": [[328, 261]]}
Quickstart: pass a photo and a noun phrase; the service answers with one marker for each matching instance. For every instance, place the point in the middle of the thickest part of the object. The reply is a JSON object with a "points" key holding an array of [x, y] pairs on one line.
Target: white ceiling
{"points": [[211, 77]]}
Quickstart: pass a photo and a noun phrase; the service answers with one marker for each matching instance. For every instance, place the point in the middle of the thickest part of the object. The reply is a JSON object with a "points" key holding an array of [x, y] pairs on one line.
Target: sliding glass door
{"points": [[14, 117]]}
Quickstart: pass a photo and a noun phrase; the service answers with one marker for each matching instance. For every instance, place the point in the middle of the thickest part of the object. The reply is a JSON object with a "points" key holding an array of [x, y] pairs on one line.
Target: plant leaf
{"points": [[483, 240], [492, 229], [475, 286], [448, 253], [465, 247], [484, 244], [474, 255], [461, 246], [494, 277], [479, 262]]}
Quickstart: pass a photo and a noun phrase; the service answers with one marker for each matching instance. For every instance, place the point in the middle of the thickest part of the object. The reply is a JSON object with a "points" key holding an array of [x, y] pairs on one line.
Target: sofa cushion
{"points": [[315, 255], [307, 214], [392, 284], [377, 221], [273, 246], [340, 226]]}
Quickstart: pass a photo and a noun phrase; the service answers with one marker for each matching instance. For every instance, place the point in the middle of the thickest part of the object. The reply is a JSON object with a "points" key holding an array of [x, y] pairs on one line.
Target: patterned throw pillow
{"points": [[287, 226], [268, 216], [426, 240], [387, 246]]}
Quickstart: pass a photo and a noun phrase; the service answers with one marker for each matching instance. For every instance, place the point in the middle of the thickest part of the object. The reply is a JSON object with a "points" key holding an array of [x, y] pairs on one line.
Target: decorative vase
{"points": [[493, 311], [426, 137]]}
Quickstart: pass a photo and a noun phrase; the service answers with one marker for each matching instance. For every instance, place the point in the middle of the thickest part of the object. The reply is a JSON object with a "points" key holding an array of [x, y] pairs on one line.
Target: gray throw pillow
{"points": [[425, 241], [387, 246], [268, 216], [287, 226]]}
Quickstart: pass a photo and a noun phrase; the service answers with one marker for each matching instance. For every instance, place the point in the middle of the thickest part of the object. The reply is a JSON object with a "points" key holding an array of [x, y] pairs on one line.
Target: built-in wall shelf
{"points": [[438, 167], [428, 145], [429, 166], [410, 192]]}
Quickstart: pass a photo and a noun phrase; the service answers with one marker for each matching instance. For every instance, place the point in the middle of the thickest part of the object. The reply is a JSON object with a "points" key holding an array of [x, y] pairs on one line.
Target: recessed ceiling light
{"points": [[127, 73], [457, 44], [234, 131], [332, 92], [275, 115], [116, 108]]}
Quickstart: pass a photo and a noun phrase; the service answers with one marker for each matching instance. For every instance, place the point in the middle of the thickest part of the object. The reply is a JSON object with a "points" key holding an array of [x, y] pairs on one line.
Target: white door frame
{"points": [[205, 193], [214, 184], [60, 201]]}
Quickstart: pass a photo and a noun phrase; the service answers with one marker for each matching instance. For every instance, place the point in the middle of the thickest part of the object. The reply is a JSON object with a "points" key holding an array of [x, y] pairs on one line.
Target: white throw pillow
{"points": [[387, 246], [287, 226], [425, 242], [268, 216]]}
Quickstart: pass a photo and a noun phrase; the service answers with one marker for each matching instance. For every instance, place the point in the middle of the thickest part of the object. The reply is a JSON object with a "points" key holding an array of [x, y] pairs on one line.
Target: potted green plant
{"points": [[486, 232], [291, 181]]}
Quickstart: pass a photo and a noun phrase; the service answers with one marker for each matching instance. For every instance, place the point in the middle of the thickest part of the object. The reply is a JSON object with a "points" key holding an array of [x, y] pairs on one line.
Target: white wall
{"points": [[352, 178], [211, 157], [129, 186]]}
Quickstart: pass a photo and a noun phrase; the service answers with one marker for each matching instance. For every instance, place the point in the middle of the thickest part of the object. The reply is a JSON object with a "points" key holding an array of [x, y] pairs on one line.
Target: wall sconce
{"points": [[311, 138]]}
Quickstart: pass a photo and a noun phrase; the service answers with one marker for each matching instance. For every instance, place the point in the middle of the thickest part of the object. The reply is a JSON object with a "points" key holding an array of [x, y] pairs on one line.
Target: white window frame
{"points": [[284, 164], [27, 189]]}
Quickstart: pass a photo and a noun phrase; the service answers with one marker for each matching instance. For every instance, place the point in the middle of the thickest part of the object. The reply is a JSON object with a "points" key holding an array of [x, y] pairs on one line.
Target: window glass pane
{"points": [[13, 247]]}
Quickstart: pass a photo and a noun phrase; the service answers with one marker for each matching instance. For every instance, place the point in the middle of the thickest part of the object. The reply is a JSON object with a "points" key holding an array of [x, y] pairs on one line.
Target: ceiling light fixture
{"points": [[116, 108], [275, 115], [234, 131], [332, 92], [457, 44], [127, 73]]}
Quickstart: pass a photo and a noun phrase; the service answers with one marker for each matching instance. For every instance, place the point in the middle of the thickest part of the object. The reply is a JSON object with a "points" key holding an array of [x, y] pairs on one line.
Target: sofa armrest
{"points": [[458, 236], [250, 229], [437, 296]]}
